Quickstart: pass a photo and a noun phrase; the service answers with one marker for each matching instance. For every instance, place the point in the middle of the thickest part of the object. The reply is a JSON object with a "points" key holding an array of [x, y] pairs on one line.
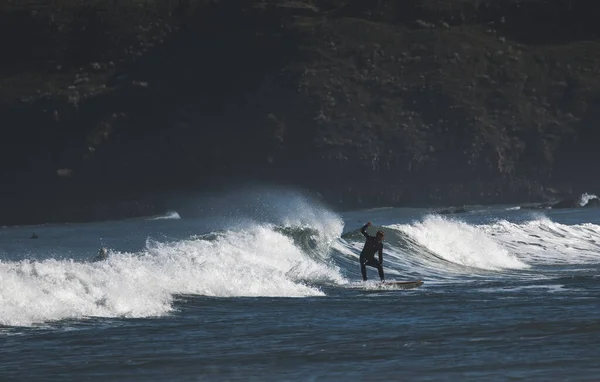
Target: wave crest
{"points": [[460, 243]]}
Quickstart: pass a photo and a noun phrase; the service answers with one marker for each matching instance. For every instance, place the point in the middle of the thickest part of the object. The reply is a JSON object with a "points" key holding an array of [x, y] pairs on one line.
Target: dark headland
{"points": [[107, 107]]}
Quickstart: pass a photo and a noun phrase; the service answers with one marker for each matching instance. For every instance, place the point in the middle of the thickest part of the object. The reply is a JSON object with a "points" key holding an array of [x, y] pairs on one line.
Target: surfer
{"points": [[373, 244], [102, 255]]}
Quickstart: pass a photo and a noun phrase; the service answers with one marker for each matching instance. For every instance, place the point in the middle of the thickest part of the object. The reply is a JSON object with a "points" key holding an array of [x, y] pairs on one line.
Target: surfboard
{"points": [[400, 284]]}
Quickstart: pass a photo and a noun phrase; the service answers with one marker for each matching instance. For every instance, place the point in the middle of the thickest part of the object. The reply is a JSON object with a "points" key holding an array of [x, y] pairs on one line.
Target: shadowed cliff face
{"points": [[368, 103]]}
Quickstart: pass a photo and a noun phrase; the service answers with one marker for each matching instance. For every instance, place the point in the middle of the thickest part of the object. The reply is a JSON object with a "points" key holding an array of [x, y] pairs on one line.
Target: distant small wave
{"points": [[585, 198], [171, 215]]}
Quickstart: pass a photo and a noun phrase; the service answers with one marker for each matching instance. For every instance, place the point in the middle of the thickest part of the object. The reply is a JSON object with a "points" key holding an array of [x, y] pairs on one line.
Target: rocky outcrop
{"points": [[369, 103]]}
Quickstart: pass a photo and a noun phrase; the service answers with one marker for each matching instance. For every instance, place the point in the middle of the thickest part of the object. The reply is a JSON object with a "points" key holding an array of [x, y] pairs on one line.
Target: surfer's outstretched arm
{"points": [[363, 230], [381, 254]]}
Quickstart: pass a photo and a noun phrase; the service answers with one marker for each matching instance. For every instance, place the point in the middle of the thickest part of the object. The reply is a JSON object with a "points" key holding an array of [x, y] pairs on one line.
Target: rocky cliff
{"points": [[107, 106]]}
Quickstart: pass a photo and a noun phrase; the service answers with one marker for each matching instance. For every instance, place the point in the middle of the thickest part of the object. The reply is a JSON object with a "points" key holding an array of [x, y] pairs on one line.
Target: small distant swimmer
{"points": [[34, 236], [373, 244], [102, 255]]}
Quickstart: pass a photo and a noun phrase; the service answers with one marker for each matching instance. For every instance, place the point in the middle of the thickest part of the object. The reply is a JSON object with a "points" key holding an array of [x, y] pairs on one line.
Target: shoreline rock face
{"points": [[418, 102]]}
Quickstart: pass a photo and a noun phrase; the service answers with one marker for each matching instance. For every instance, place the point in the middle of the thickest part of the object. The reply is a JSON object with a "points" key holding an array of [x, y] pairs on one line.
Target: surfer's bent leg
{"points": [[372, 263]]}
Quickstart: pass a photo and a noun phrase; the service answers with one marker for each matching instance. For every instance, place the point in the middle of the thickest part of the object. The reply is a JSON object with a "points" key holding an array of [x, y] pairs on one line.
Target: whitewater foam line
{"points": [[254, 262], [545, 242], [460, 243], [35, 292]]}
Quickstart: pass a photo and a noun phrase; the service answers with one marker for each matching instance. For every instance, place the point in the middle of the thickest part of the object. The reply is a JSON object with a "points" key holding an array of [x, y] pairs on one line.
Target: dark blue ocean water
{"points": [[274, 293]]}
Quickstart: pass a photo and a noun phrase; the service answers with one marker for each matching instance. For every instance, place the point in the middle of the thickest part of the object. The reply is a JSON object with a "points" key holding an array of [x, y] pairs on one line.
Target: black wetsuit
{"points": [[367, 256]]}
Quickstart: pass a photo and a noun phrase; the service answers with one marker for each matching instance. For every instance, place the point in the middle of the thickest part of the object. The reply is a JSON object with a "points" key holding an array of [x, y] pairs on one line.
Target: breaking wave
{"points": [[297, 252]]}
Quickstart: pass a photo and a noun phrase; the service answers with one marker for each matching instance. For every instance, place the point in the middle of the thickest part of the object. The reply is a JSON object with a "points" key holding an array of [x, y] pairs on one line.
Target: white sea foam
{"points": [[254, 262], [542, 241], [460, 243], [506, 245]]}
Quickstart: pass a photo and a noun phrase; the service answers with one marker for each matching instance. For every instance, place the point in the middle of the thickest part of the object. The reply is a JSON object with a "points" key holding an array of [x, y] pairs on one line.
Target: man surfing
{"points": [[102, 255], [373, 244]]}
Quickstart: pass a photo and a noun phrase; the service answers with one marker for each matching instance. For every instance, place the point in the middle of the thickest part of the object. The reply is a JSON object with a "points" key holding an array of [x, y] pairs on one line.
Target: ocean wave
{"points": [[460, 243], [171, 215], [299, 251], [542, 241], [254, 262], [437, 245], [585, 198]]}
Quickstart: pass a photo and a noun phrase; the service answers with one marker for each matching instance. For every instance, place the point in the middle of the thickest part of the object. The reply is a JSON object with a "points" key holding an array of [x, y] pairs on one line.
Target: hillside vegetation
{"points": [[106, 106]]}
